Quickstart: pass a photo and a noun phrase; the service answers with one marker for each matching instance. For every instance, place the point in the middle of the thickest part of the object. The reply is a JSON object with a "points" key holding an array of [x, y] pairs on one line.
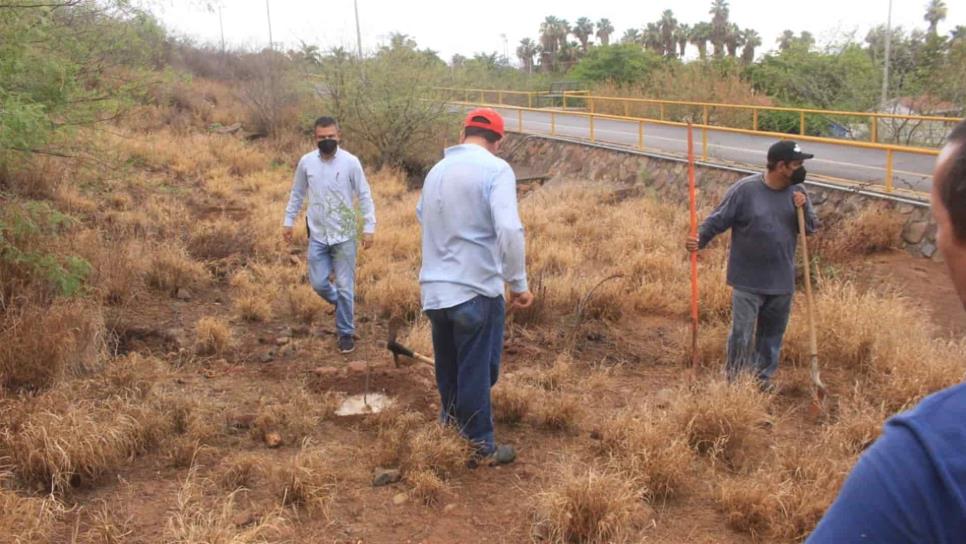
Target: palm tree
{"points": [[563, 31], [569, 53], [733, 40], [806, 39], [604, 30], [652, 38], [583, 30], [752, 40], [525, 52], [700, 34], [631, 35], [548, 42], [458, 61], [786, 40], [681, 36], [935, 12], [666, 27], [719, 26]]}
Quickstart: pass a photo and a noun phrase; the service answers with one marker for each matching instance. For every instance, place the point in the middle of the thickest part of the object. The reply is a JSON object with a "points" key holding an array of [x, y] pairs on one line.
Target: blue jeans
{"points": [[341, 258], [468, 342], [757, 328]]}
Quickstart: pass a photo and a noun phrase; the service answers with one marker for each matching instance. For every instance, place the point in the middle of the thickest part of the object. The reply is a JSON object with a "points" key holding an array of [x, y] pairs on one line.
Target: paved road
{"points": [[866, 166]]}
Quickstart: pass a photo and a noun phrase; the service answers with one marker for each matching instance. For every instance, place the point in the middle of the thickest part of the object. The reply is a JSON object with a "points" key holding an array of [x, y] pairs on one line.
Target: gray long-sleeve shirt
{"points": [[764, 234]]}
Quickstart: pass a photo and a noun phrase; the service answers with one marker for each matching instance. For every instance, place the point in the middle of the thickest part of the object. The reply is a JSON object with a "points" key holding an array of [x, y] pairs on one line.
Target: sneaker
{"points": [[346, 344], [503, 454]]}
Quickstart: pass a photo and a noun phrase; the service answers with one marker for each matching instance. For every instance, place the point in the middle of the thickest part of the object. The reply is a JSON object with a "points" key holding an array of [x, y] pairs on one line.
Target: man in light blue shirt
{"points": [[332, 178], [473, 246]]}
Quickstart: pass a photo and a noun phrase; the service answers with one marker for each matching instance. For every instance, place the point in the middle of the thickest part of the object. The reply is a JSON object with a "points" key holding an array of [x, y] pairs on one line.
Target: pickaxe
{"points": [[398, 349]]}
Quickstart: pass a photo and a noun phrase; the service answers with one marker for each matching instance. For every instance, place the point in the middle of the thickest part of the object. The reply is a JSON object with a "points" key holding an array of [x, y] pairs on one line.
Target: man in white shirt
{"points": [[332, 178]]}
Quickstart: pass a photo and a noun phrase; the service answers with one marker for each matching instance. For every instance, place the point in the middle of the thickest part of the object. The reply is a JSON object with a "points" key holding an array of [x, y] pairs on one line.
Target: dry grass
{"points": [[723, 420], [560, 411], [437, 449], [40, 345], [304, 304], [586, 505], [196, 521], [512, 402], [212, 336], [311, 479], [872, 230], [240, 471], [428, 487], [26, 520], [295, 414], [169, 268], [219, 240], [647, 448], [108, 525]]}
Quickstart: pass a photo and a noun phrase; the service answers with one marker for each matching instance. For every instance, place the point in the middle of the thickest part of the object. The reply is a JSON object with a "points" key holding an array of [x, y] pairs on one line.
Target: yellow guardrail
{"points": [[592, 101], [889, 149]]}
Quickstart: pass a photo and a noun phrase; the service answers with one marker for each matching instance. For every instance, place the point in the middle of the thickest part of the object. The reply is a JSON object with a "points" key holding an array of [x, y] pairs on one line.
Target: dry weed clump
{"points": [[212, 336], [304, 304], [295, 414], [109, 525], [512, 401], [26, 520], [196, 521], [649, 449], [723, 420], [219, 240], [240, 471], [437, 449], [428, 487], [560, 411], [170, 268], [117, 268], [872, 230], [311, 479], [586, 505], [39, 345]]}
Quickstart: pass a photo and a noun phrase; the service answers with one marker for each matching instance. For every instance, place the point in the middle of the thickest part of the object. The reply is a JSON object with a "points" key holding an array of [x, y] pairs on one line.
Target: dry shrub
{"points": [[72, 201], [304, 304], [219, 240], [254, 306], [560, 411], [712, 345], [649, 450], [311, 479], [39, 345], [58, 451], [872, 230], [240, 471], [170, 268], [26, 520], [117, 268], [558, 376], [212, 336], [197, 522], [295, 414], [585, 505], [393, 428], [511, 401], [428, 487], [437, 449], [723, 420], [107, 526]]}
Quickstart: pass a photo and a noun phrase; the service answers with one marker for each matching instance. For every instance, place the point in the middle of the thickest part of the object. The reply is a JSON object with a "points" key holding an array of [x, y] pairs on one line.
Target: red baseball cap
{"points": [[493, 121]]}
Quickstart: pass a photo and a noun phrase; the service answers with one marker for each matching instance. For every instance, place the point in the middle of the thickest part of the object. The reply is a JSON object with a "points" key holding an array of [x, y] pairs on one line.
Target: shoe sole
{"points": [[347, 350]]}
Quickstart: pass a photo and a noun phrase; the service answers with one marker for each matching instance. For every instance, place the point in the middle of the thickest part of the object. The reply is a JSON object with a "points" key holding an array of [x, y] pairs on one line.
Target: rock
{"points": [[384, 476], [273, 440], [183, 295], [664, 397], [268, 356], [914, 232], [928, 249], [325, 371], [595, 435], [294, 260], [288, 350], [905, 209], [282, 340], [300, 331], [449, 507], [174, 338], [357, 367], [241, 422], [244, 519], [399, 499]]}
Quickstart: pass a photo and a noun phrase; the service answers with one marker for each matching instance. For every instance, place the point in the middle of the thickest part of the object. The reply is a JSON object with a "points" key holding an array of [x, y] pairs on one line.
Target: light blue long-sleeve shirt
{"points": [[472, 235], [331, 185]]}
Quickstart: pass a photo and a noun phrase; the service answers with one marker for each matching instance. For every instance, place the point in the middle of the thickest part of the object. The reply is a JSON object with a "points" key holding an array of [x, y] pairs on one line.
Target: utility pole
{"points": [[221, 25], [888, 54], [358, 31], [268, 13]]}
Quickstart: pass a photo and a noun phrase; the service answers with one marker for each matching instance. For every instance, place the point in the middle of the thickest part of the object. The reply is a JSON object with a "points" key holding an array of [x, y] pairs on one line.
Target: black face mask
{"points": [[798, 175], [328, 146]]}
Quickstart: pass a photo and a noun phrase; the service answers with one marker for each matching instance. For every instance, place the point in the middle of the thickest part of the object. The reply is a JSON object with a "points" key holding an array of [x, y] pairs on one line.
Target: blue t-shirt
{"points": [[910, 486]]}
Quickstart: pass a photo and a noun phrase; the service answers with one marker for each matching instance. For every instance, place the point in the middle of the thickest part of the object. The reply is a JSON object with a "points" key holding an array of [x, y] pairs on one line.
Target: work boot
{"points": [[502, 454], [346, 344]]}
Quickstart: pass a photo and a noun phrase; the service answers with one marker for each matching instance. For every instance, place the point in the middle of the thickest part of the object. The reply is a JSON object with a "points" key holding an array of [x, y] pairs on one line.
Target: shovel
{"points": [[819, 391]]}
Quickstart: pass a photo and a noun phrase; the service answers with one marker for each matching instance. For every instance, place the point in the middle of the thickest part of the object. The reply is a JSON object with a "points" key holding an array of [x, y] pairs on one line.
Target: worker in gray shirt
{"points": [[761, 212]]}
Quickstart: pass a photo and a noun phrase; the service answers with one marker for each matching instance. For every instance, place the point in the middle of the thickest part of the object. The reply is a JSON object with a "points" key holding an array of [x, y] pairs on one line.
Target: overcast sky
{"points": [[451, 26]]}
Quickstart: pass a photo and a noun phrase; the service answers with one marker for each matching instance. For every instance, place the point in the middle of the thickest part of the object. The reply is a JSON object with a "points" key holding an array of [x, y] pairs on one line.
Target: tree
{"points": [[525, 52], [752, 40], [681, 35], [553, 37], [667, 27], [604, 31], [583, 30], [700, 35], [631, 35], [458, 61], [621, 64], [652, 38], [719, 26], [785, 40], [733, 40], [935, 12]]}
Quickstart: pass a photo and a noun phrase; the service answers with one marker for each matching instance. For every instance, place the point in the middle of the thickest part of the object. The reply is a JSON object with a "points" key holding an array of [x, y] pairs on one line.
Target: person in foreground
{"points": [[472, 245], [910, 485]]}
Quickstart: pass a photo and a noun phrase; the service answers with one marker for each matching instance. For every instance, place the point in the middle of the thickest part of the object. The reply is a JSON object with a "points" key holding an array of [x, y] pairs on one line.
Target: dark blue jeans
{"points": [[468, 342], [758, 325]]}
